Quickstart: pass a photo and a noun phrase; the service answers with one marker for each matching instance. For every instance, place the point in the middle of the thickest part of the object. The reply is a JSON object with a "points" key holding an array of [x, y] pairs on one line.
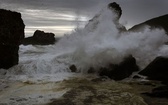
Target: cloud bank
{"points": [[51, 14]]}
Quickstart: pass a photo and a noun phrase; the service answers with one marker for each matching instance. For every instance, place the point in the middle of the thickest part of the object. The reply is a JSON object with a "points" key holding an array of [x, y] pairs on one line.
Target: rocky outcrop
{"points": [[157, 70], [40, 38], [11, 35], [116, 11], [120, 71], [158, 22], [116, 8]]}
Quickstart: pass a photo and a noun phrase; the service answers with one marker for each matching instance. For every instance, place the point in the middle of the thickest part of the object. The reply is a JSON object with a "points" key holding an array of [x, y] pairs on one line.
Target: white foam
{"points": [[97, 45]]}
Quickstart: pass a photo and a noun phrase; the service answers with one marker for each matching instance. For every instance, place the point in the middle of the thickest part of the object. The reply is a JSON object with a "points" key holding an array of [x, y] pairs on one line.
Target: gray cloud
{"points": [[81, 5], [65, 12]]}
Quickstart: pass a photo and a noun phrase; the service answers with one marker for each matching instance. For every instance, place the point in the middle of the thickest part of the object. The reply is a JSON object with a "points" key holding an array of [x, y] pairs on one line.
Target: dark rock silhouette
{"points": [[157, 70], [40, 38], [158, 22], [73, 68], [116, 9], [120, 71], [11, 34]]}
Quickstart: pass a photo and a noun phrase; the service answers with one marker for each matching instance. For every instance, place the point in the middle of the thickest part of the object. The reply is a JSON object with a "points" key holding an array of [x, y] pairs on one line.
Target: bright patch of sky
{"points": [[59, 22], [62, 16]]}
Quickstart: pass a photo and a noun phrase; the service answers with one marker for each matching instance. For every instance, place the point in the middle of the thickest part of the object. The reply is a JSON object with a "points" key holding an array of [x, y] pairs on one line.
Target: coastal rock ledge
{"points": [[11, 35]]}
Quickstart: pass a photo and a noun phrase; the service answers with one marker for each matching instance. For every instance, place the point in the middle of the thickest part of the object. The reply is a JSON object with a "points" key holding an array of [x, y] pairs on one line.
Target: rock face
{"points": [[11, 35], [157, 70], [121, 71], [40, 38], [158, 22]]}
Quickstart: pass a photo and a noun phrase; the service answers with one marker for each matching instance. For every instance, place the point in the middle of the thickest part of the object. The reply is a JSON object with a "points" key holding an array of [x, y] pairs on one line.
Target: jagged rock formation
{"points": [[40, 38], [11, 34], [116, 11], [116, 8], [158, 22]]}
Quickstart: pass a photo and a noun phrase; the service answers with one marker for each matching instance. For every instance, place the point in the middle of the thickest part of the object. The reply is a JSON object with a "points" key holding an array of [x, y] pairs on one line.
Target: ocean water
{"points": [[96, 45]]}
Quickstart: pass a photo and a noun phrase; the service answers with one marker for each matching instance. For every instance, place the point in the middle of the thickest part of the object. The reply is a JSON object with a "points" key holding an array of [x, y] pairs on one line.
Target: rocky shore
{"points": [[85, 90]]}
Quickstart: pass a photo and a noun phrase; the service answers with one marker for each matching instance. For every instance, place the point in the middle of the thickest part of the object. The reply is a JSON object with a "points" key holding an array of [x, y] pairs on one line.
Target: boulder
{"points": [[11, 35], [73, 68], [157, 70], [40, 38], [120, 71]]}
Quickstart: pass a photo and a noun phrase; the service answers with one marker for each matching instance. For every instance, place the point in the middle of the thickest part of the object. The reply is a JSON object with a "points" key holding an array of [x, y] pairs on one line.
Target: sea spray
{"points": [[104, 44], [96, 45]]}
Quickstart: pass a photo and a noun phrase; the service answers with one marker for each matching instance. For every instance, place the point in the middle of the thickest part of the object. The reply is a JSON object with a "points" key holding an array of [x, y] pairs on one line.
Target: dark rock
{"points": [[73, 68], [158, 22], [117, 9], [11, 35], [157, 70], [160, 92], [120, 71], [40, 38]]}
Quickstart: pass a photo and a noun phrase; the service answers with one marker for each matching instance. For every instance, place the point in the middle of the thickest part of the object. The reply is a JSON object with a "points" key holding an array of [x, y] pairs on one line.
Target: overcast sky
{"points": [[62, 16]]}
